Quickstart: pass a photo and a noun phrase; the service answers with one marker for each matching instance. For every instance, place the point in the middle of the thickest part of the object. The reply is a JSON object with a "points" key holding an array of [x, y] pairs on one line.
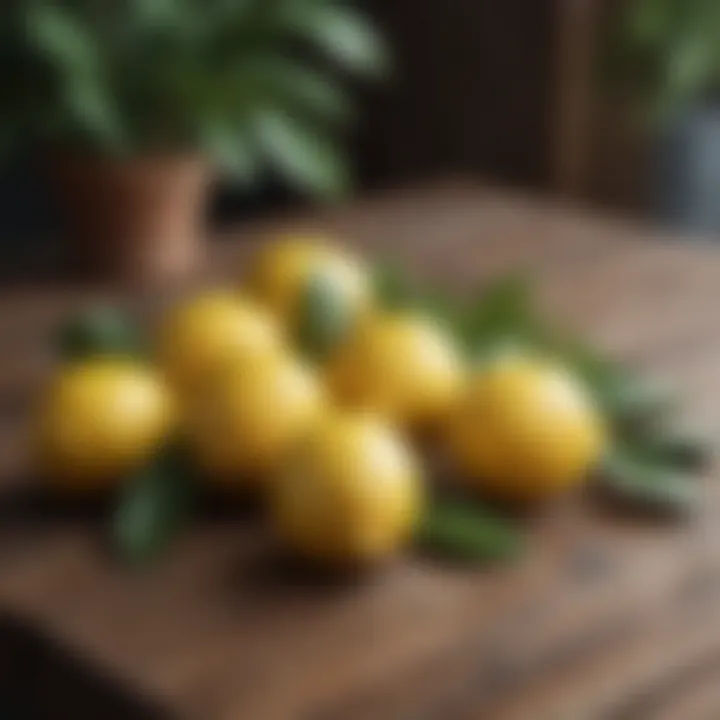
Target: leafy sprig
{"points": [[154, 506], [666, 52], [464, 531], [651, 460], [651, 464]]}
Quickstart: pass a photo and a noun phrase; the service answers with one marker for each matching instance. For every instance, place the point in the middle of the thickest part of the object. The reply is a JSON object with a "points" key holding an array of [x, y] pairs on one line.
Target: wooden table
{"points": [[219, 632]]}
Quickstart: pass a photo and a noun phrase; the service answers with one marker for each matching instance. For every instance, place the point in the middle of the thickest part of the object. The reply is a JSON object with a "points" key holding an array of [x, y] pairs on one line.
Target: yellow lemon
{"points": [[242, 424], [402, 365], [525, 430], [100, 420], [351, 494], [281, 273], [210, 330]]}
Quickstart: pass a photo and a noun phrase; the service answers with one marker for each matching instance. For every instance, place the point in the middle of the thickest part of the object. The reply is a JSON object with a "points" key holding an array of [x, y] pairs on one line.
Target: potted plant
{"points": [[670, 58], [135, 104]]}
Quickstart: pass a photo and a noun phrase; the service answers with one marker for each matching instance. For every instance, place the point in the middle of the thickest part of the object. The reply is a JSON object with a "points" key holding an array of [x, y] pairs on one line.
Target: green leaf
{"points": [[153, 508], [590, 365], [301, 89], [99, 331], [303, 156], [681, 450], [87, 100], [325, 318], [158, 14], [668, 51], [346, 36], [649, 23], [690, 69], [393, 288], [629, 401], [446, 310], [462, 532], [231, 150], [642, 482], [503, 314], [60, 36], [71, 51]]}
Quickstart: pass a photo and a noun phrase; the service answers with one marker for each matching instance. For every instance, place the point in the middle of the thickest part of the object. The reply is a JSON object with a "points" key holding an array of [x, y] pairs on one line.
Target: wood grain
{"points": [[223, 631]]}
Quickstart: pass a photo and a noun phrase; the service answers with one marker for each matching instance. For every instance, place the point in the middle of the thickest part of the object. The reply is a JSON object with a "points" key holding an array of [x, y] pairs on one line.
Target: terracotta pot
{"points": [[135, 220]]}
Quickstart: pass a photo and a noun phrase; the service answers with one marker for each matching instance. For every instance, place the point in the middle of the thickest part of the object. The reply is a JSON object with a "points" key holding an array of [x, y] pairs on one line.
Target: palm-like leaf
{"points": [[301, 154], [345, 36], [669, 50], [242, 80]]}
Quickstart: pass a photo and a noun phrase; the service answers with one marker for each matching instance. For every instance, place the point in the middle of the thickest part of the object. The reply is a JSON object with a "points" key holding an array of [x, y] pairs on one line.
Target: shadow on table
{"points": [[41, 680]]}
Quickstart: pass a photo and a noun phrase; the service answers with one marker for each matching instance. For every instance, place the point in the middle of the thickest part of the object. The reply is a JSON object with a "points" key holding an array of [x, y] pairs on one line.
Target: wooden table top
{"points": [[219, 632]]}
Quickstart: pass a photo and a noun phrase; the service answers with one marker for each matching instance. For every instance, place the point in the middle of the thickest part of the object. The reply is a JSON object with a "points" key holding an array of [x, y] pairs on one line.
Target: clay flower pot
{"points": [[132, 220]]}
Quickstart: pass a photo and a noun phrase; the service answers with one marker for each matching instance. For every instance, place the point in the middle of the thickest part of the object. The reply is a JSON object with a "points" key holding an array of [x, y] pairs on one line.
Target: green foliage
{"points": [[345, 36], [667, 50], [652, 459], [99, 331], [154, 506], [682, 450], [650, 466], [392, 287], [642, 480], [302, 154], [502, 316], [253, 83], [460, 531]]}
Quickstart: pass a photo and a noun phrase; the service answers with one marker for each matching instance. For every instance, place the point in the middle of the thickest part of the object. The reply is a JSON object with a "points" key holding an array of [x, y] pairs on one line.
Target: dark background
{"points": [[472, 92]]}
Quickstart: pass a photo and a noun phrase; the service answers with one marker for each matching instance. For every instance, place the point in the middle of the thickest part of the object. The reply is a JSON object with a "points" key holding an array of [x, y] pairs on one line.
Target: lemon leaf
{"points": [[444, 309], [642, 482], [677, 449], [153, 507], [392, 286], [101, 330], [633, 403], [503, 313], [459, 531], [630, 402], [617, 390]]}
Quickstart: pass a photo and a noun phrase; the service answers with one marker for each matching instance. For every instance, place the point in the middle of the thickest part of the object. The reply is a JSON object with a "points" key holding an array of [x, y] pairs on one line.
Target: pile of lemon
{"points": [[337, 442]]}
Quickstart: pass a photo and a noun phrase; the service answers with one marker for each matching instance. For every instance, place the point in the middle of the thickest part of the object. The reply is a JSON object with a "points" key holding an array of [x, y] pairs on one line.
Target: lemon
{"points": [[210, 330], [99, 420], [402, 365], [280, 276], [525, 430], [242, 425], [350, 495]]}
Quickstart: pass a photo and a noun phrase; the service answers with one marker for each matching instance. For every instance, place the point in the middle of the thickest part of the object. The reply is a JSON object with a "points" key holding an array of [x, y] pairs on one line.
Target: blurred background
{"points": [[606, 102]]}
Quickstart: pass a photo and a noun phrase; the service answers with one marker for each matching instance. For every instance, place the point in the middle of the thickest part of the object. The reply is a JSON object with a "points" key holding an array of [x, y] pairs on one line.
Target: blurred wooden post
{"points": [[575, 56]]}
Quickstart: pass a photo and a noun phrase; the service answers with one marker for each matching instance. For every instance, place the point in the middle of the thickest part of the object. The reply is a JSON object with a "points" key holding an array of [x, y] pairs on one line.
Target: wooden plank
{"points": [[221, 631]]}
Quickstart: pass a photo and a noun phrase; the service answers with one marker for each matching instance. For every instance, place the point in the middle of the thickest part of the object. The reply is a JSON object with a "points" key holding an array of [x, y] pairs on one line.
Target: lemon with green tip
{"points": [[282, 271], [402, 365]]}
